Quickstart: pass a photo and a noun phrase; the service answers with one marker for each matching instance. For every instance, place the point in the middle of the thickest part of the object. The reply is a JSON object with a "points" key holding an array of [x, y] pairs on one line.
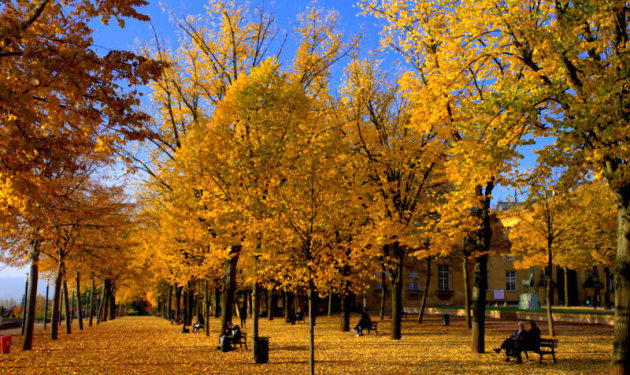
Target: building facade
{"points": [[586, 287]]}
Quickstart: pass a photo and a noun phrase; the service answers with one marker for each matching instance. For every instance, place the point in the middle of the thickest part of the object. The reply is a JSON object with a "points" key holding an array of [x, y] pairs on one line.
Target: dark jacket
{"points": [[532, 339]]}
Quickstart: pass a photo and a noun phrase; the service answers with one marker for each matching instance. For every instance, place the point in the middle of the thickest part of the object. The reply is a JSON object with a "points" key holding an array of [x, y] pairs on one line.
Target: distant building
{"points": [[504, 281]]}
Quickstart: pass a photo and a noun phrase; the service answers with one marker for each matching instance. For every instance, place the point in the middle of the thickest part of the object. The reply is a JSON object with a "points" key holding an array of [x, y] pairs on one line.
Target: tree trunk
{"points": [[425, 291], [46, 304], [112, 302], [250, 299], [229, 284], [479, 304], [178, 300], [330, 301], [31, 298], [92, 290], [466, 291], [246, 306], [106, 301], [288, 301], [217, 302], [24, 305], [621, 335], [54, 318], [345, 310], [566, 286], [79, 313], [254, 314], [381, 313], [607, 288], [169, 302], [311, 327], [285, 304], [72, 307], [396, 279], [66, 306], [101, 304], [272, 305], [480, 283], [548, 289]]}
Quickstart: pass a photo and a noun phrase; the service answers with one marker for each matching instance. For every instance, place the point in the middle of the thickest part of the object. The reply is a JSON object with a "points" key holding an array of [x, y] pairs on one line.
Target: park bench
{"points": [[373, 327], [409, 310], [242, 341], [300, 319], [547, 346]]}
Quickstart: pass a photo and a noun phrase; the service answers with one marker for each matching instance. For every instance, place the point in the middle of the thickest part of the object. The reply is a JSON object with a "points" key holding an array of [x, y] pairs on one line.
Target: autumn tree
{"points": [[55, 115], [559, 66], [454, 90], [545, 229], [401, 165]]}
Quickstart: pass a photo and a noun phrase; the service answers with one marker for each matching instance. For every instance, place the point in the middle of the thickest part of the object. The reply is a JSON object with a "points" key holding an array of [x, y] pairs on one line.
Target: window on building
{"points": [[443, 278], [510, 258], [413, 285], [510, 281], [412, 275]]}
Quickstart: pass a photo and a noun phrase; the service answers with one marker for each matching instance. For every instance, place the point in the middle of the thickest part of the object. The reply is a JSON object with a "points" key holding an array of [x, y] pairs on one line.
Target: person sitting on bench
{"points": [[231, 334], [512, 344], [199, 323], [532, 338], [364, 323], [300, 315]]}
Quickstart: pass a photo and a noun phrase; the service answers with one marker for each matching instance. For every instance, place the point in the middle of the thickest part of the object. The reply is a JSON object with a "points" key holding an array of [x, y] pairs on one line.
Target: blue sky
{"points": [[138, 33]]}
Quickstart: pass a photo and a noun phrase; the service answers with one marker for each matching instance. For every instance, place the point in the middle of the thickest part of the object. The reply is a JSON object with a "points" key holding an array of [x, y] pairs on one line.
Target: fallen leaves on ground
{"points": [[149, 345]]}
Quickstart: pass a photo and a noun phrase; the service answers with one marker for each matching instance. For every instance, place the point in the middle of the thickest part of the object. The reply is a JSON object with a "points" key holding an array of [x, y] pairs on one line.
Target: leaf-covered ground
{"points": [[148, 345]]}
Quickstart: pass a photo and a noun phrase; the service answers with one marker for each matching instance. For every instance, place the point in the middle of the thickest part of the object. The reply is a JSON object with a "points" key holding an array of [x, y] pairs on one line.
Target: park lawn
{"points": [[149, 345]]}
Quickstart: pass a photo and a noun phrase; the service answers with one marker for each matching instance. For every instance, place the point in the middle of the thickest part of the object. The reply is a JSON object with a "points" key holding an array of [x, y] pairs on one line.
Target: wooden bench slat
{"points": [[545, 343]]}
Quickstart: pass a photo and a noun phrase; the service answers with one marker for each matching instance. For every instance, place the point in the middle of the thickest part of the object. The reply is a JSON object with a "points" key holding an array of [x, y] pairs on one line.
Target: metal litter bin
{"points": [[261, 349]]}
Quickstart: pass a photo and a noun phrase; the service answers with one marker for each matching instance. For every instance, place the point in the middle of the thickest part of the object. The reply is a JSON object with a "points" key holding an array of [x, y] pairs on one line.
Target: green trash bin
{"points": [[261, 349]]}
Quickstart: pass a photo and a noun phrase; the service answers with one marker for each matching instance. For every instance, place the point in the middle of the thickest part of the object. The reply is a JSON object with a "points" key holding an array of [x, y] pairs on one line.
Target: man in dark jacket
{"points": [[511, 344]]}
